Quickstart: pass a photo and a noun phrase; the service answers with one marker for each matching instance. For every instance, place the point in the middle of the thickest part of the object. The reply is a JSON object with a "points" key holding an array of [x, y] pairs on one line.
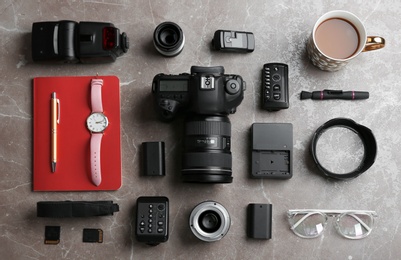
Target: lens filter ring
{"points": [[168, 39], [209, 221]]}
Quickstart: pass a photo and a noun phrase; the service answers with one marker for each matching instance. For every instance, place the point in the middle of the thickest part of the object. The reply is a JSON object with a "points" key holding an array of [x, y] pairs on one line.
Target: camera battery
{"points": [[259, 221], [153, 159]]}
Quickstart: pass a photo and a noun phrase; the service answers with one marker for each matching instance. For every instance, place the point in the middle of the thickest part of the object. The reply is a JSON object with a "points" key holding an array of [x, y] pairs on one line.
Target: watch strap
{"points": [[69, 209], [95, 143], [96, 95]]}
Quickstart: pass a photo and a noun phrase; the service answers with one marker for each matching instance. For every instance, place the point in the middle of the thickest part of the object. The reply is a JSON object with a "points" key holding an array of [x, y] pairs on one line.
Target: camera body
{"points": [[206, 91], [207, 95], [73, 42]]}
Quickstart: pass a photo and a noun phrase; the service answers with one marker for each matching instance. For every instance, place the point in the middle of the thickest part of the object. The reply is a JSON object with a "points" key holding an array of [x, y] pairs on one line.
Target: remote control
{"points": [[152, 220], [275, 86]]}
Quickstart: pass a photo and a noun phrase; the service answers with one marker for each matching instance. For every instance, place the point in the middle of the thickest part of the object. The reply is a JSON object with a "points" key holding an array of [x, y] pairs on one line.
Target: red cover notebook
{"points": [[73, 171]]}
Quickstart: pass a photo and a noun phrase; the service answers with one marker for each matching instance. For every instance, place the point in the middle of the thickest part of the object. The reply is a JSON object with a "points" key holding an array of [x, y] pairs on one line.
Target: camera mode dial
{"points": [[232, 86]]}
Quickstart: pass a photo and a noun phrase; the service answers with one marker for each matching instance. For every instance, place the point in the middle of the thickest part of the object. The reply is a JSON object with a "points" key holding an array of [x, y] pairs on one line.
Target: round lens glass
{"points": [[209, 221], [169, 37], [354, 226], [308, 225], [340, 150]]}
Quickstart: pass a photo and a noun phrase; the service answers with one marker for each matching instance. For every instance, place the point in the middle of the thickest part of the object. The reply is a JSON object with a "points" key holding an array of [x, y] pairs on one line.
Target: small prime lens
{"points": [[209, 221], [207, 149], [168, 39]]}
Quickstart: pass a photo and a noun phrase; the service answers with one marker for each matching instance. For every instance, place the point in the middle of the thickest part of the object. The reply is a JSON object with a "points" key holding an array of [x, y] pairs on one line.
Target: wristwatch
{"points": [[96, 122]]}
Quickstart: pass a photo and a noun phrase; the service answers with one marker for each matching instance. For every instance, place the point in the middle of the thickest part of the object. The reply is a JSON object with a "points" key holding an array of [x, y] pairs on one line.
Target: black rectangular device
{"points": [[153, 159], [152, 218], [73, 42], [275, 86], [235, 41], [259, 221], [272, 150]]}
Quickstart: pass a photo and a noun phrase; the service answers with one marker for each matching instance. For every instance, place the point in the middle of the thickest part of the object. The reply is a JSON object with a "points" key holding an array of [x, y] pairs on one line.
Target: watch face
{"points": [[97, 122]]}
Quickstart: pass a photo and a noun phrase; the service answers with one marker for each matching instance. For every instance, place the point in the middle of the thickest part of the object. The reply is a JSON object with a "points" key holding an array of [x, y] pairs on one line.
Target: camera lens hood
{"points": [[367, 138], [168, 39], [209, 221]]}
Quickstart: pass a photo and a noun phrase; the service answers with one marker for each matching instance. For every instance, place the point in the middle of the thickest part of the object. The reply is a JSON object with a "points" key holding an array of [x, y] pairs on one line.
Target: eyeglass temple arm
{"points": [[292, 211]]}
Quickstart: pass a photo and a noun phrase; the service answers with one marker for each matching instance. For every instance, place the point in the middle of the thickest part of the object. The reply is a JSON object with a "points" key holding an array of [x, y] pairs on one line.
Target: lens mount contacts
{"points": [[168, 39], [209, 221]]}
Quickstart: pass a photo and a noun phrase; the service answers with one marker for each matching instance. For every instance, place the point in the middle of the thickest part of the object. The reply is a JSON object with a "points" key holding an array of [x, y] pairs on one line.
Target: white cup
{"points": [[324, 61]]}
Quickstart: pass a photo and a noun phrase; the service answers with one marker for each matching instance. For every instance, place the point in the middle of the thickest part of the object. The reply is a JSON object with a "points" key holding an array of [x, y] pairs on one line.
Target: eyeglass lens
{"points": [[354, 226], [308, 225]]}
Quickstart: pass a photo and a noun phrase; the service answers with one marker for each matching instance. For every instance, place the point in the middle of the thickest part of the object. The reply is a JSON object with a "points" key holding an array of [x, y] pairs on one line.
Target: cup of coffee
{"points": [[338, 37]]}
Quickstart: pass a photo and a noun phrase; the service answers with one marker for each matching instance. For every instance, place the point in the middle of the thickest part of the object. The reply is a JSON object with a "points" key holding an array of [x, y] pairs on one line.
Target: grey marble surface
{"points": [[281, 29]]}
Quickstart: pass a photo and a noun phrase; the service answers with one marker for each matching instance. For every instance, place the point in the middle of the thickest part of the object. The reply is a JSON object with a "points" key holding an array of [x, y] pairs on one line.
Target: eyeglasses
{"points": [[310, 223]]}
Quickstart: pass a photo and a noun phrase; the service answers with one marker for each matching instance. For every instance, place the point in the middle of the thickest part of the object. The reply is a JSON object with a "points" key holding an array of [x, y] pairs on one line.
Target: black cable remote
{"points": [[152, 220], [275, 86]]}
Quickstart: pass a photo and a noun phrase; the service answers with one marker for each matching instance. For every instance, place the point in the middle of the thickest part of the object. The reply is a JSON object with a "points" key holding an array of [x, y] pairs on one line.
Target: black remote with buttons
{"points": [[275, 86], [152, 220]]}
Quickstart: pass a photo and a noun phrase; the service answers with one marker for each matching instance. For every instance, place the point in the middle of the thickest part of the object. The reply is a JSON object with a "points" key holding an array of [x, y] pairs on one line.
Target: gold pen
{"points": [[54, 120]]}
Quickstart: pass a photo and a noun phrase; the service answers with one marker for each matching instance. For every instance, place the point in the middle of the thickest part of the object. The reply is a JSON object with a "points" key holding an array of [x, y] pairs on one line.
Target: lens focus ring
{"points": [[207, 160], [208, 128]]}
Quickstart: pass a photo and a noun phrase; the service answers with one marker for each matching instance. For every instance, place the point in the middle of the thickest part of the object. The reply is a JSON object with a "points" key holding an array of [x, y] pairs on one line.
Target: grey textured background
{"points": [[281, 29]]}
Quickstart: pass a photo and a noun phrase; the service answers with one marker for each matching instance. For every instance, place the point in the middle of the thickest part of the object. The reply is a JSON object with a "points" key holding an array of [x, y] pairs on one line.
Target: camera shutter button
{"points": [[232, 86]]}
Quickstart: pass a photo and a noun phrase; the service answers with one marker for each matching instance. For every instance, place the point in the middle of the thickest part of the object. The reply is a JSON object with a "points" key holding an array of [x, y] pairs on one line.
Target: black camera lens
{"points": [[168, 39], [207, 149], [209, 221]]}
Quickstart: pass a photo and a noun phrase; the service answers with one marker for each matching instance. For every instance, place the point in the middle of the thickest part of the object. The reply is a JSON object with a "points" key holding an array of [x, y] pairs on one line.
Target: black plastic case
{"points": [[272, 148]]}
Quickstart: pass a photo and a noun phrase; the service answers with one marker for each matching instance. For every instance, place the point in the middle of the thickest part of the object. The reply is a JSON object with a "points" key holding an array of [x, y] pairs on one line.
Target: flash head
{"points": [[77, 42]]}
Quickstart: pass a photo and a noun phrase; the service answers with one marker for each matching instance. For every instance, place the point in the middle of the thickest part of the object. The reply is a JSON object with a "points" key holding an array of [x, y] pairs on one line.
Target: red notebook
{"points": [[73, 138]]}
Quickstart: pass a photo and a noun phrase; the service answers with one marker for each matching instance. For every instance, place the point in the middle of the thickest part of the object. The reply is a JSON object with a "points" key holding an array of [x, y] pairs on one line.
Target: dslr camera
{"points": [[207, 96], [72, 42]]}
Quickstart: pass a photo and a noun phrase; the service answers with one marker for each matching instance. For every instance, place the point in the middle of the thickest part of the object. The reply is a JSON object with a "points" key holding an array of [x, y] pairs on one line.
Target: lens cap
{"points": [[168, 39]]}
